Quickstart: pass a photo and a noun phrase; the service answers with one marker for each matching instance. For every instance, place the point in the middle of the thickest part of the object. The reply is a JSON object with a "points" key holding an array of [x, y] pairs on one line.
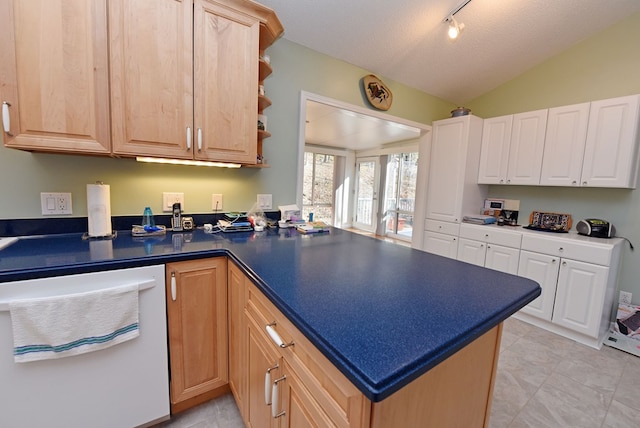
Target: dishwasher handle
{"points": [[173, 286]]}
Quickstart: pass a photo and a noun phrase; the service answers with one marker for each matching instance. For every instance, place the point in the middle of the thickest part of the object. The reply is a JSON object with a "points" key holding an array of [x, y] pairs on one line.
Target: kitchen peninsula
{"points": [[406, 328]]}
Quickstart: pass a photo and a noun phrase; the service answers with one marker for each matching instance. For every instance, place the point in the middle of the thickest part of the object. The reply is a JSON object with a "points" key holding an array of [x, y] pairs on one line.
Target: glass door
{"points": [[400, 194], [366, 197]]}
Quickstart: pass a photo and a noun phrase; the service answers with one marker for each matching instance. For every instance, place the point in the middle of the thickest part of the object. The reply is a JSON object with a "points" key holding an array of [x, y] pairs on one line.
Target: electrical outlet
{"points": [[55, 203], [265, 201], [625, 297], [216, 202], [170, 198]]}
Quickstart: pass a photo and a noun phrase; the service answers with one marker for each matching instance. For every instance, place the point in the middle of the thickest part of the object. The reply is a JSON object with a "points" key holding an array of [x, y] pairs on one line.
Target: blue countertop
{"points": [[382, 313]]}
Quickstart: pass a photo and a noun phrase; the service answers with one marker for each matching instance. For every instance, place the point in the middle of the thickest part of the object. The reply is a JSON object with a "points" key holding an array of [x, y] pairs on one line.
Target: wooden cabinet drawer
{"points": [[590, 252], [491, 234], [334, 393], [442, 227]]}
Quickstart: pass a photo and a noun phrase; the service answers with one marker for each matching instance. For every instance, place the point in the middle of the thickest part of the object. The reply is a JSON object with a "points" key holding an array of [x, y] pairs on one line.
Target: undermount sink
{"points": [[5, 242]]}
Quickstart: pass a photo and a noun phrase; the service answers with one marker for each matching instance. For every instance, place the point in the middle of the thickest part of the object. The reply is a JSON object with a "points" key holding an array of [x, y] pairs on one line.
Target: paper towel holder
{"points": [[100, 201]]}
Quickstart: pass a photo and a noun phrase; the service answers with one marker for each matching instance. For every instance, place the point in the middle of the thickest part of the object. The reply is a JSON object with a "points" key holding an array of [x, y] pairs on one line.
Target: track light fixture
{"points": [[455, 28]]}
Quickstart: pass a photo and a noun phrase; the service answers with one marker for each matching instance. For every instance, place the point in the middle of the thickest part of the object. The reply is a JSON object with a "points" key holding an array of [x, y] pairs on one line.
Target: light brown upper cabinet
{"points": [[54, 75], [184, 79]]}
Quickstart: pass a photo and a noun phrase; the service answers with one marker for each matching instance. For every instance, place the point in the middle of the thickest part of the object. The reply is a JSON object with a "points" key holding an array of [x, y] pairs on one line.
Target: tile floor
{"points": [[543, 381]]}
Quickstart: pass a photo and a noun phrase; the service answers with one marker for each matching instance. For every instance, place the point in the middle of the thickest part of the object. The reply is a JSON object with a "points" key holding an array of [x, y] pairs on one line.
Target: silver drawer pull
{"points": [[276, 399], [267, 385], [276, 337], [6, 118]]}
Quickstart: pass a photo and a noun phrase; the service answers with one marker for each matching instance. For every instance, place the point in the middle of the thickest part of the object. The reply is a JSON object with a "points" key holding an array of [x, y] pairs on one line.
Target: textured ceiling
{"points": [[406, 41]]}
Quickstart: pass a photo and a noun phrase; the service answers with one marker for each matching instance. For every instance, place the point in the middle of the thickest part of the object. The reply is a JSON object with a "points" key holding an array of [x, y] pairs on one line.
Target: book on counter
{"points": [[479, 219], [313, 227]]}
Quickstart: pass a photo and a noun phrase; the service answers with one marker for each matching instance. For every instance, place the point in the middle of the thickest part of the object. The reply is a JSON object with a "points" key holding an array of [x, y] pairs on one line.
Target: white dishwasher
{"points": [[123, 386]]}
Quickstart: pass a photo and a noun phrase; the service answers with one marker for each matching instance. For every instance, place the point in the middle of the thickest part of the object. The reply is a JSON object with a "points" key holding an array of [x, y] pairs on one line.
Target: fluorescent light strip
{"points": [[187, 162]]}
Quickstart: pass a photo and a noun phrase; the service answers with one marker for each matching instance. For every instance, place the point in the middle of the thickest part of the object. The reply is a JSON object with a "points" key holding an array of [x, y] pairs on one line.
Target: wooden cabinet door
{"points": [[503, 259], [611, 152], [226, 83], [543, 269], [527, 146], [238, 361], [54, 75], [295, 405], [471, 251], [264, 367], [494, 155], [564, 145], [580, 296], [151, 65], [197, 323], [441, 244]]}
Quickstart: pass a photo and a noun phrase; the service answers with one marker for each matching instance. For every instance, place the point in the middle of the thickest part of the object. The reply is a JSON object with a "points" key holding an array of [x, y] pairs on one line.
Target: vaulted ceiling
{"points": [[406, 40]]}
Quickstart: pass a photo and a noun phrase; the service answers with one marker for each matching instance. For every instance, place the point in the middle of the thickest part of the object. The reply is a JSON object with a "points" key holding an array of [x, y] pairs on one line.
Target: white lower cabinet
{"points": [[578, 277], [580, 296], [497, 249], [543, 269], [441, 244]]}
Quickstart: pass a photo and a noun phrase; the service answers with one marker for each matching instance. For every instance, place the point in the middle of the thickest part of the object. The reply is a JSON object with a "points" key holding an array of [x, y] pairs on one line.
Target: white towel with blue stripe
{"points": [[61, 326]]}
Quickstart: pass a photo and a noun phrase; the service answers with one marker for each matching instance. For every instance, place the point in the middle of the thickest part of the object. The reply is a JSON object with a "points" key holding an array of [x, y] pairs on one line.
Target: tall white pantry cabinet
{"points": [[452, 189]]}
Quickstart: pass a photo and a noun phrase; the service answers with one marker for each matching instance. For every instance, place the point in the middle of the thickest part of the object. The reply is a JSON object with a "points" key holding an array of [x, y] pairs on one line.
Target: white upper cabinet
{"points": [[512, 148], [611, 151], [494, 156], [564, 145], [589, 145], [452, 189], [526, 148]]}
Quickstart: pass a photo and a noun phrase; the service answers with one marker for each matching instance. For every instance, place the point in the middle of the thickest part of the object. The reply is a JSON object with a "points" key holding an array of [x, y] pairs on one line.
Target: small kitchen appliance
{"points": [[596, 228]]}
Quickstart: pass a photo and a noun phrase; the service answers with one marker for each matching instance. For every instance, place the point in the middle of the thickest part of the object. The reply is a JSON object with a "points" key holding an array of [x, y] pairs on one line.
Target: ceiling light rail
{"points": [[455, 28]]}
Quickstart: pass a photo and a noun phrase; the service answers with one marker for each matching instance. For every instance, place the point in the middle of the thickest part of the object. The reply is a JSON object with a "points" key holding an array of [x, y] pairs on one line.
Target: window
{"points": [[318, 186]]}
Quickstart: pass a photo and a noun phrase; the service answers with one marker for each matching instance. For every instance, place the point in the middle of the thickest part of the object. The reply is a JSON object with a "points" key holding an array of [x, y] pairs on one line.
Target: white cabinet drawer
{"points": [[491, 234], [442, 227], [569, 248]]}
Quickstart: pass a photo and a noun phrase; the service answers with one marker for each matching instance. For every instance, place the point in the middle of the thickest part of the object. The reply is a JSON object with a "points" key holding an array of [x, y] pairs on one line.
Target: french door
{"points": [[366, 193]]}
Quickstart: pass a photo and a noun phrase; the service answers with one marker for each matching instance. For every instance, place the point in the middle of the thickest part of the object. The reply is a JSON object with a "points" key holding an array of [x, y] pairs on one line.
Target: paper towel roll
{"points": [[99, 210]]}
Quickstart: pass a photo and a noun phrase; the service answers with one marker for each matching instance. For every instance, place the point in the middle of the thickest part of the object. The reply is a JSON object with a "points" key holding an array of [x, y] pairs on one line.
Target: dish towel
{"points": [[61, 326]]}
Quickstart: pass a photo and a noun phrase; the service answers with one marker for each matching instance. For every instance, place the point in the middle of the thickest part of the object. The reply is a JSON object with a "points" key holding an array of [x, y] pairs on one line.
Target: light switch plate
{"points": [[170, 198], [55, 203], [216, 202], [265, 201]]}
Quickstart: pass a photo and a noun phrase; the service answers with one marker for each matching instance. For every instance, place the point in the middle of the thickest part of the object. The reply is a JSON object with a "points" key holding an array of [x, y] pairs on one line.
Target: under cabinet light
{"points": [[187, 162]]}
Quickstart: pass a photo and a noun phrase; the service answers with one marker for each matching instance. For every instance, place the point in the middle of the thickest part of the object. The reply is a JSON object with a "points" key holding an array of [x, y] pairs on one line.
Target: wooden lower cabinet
{"points": [[311, 392], [197, 324]]}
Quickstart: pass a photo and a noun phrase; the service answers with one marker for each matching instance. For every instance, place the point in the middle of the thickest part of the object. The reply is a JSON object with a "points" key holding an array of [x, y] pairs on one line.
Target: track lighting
{"points": [[455, 28]]}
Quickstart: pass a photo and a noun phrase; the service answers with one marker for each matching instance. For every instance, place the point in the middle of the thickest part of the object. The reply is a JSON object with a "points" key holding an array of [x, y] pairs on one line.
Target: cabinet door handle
{"points": [[553, 260], [276, 398], [188, 138], [6, 118], [564, 263], [276, 337], [173, 286], [199, 139], [584, 183], [267, 385]]}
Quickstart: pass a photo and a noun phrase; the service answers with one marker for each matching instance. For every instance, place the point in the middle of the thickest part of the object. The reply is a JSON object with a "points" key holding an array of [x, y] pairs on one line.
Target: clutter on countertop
{"points": [[504, 210], [549, 222], [313, 227], [479, 219]]}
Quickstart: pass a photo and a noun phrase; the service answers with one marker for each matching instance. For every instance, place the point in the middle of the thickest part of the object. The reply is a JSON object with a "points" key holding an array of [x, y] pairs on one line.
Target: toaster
{"points": [[596, 228]]}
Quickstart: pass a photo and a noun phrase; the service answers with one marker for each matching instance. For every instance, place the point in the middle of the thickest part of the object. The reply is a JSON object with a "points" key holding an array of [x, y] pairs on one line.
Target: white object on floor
{"points": [[62, 326]]}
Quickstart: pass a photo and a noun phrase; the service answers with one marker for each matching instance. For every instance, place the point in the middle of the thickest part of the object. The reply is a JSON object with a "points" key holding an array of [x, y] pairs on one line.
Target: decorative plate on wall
{"points": [[378, 95]]}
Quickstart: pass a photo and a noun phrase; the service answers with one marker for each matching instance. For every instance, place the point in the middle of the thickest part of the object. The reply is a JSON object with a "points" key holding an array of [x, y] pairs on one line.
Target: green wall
{"points": [[24, 175], [604, 66]]}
